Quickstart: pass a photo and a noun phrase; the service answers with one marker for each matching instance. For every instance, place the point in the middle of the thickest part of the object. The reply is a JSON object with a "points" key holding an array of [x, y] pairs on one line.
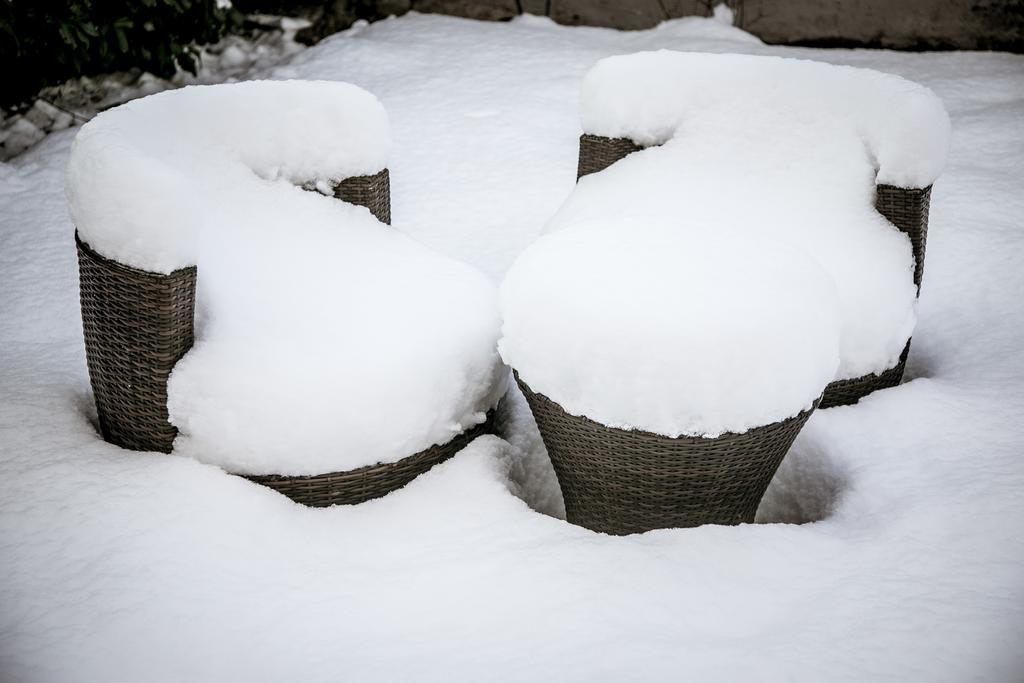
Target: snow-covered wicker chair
{"points": [[138, 324], [905, 205], [663, 421]]}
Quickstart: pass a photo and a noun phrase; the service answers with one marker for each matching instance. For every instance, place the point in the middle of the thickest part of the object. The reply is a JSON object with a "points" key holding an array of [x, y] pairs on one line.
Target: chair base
{"points": [[621, 481], [374, 481]]}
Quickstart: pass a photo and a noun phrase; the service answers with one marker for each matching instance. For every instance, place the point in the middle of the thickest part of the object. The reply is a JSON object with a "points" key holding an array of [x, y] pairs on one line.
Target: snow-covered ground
{"points": [[126, 566]]}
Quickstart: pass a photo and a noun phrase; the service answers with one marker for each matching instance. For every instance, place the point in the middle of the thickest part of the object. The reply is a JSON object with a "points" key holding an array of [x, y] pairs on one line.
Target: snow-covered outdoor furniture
{"points": [[667, 393], [779, 109], [335, 359]]}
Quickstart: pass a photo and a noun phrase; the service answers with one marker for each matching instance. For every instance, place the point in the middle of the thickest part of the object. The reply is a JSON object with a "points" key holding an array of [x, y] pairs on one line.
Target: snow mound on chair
{"points": [[325, 340]]}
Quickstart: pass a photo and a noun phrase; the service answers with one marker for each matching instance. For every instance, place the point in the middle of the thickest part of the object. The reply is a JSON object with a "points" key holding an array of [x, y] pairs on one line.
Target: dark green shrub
{"points": [[44, 42]]}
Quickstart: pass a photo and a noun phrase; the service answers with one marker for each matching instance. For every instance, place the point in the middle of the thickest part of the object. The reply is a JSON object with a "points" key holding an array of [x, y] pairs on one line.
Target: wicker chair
{"points": [[619, 481], [139, 324], [907, 209]]}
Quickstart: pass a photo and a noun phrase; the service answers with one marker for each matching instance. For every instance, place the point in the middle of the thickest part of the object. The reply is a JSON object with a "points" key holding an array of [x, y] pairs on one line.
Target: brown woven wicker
{"points": [[137, 326], [598, 153], [371, 191], [845, 392], [374, 481], [905, 208], [621, 481]]}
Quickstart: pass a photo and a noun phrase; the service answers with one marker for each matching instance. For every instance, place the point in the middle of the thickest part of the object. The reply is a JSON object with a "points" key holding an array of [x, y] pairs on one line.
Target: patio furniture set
{"points": [[675, 412]]}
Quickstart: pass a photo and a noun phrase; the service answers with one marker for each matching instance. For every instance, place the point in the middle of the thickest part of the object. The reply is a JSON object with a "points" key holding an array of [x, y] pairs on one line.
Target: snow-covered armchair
{"points": [[886, 139], [667, 391], [334, 359]]}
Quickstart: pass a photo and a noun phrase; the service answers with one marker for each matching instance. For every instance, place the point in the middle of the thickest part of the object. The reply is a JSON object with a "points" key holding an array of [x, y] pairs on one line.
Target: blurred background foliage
{"points": [[44, 42]]}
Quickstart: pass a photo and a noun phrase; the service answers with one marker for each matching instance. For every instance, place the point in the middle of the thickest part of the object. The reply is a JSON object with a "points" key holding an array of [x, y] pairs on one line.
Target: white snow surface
{"points": [[143, 176], [907, 564], [327, 340], [778, 147], [652, 96], [660, 326]]}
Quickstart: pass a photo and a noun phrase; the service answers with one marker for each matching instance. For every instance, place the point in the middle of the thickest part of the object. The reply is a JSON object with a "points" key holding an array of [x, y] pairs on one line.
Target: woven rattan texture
{"points": [[371, 191], [598, 153], [907, 209], [137, 325], [625, 481], [366, 483], [846, 392]]}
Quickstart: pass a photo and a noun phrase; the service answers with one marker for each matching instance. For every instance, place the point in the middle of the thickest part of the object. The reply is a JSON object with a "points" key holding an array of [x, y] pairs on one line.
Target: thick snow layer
{"points": [[671, 329], [329, 341], [143, 176], [326, 340], [764, 145], [651, 97], [127, 566]]}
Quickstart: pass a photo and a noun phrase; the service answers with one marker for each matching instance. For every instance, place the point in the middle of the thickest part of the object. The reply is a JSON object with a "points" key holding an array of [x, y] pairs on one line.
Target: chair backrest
{"points": [[147, 179], [906, 208], [630, 102]]}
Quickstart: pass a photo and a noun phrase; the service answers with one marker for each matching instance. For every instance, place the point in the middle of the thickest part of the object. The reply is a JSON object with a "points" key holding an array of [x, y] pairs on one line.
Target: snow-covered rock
{"points": [[326, 340], [42, 114], [18, 135], [659, 326]]}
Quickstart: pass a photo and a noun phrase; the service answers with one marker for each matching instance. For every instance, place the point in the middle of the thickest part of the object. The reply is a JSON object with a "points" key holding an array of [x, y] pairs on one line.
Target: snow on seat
{"points": [[657, 325], [325, 341], [785, 147]]}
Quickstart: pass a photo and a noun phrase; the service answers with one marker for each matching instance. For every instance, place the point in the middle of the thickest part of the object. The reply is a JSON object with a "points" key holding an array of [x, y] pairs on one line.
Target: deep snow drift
{"points": [[126, 566]]}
